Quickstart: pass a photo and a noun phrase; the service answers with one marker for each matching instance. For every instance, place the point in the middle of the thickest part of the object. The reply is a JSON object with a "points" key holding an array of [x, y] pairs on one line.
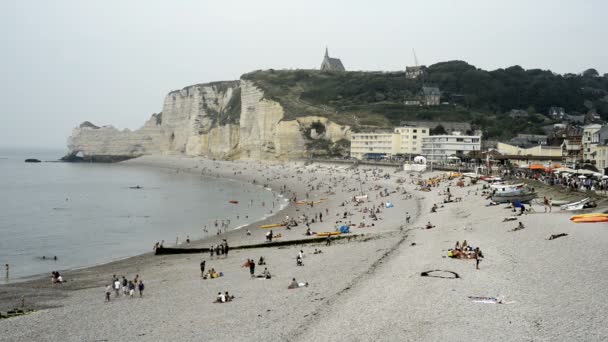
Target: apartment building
{"points": [[441, 147], [402, 140]]}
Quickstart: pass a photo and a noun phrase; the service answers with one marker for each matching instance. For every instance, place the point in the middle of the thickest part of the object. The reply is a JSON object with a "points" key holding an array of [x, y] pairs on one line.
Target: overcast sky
{"points": [[112, 62]]}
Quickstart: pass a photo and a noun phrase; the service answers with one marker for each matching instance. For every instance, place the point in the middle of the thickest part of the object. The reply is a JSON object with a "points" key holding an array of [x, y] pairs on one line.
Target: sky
{"points": [[112, 62]]}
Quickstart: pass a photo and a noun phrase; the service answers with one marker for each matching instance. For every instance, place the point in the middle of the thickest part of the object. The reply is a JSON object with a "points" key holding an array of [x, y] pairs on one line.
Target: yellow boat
{"points": [[328, 233], [580, 216], [271, 225]]}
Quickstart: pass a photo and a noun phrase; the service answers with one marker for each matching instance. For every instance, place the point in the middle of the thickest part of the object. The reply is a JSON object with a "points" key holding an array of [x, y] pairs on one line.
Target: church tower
{"points": [[331, 64]]}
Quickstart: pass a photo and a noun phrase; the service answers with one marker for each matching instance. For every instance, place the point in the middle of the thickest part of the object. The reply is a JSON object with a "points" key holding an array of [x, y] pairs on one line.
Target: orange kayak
{"points": [[591, 219]]}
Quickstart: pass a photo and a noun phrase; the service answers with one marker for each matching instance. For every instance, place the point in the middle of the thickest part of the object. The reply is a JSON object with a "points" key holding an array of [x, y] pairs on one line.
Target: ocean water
{"points": [[86, 214]]}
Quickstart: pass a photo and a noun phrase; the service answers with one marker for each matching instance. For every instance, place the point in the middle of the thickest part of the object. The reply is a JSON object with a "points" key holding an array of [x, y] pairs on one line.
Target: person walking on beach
{"points": [[202, 268], [108, 292], [116, 286], [252, 268], [131, 289], [140, 287], [125, 288], [328, 240], [478, 257], [545, 203]]}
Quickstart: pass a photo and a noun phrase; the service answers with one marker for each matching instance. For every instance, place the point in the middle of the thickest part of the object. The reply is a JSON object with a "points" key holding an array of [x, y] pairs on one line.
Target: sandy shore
{"points": [[366, 290]]}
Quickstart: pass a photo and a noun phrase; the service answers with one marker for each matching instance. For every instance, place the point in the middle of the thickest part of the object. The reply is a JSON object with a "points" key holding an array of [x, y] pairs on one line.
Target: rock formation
{"points": [[224, 120]]}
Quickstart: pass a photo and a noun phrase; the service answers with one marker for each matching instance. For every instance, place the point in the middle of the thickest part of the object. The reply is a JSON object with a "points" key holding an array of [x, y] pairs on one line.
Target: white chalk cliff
{"points": [[224, 120]]}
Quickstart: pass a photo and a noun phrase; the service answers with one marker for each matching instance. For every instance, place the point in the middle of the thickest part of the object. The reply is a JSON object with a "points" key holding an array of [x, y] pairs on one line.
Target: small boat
{"points": [[233, 201], [590, 219], [507, 187], [578, 205], [136, 187], [328, 233], [272, 225], [522, 196], [581, 216]]}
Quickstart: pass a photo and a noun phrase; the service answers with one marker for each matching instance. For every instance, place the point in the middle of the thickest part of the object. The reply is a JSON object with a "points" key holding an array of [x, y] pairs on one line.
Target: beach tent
{"points": [[564, 169], [344, 229]]}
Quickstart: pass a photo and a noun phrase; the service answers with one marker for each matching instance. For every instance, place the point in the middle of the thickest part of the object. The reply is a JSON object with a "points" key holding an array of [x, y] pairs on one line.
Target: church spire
{"points": [[326, 53]]}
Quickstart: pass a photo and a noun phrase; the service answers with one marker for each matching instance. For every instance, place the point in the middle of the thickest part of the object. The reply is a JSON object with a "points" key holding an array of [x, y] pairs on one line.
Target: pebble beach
{"points": [[368, 288]]}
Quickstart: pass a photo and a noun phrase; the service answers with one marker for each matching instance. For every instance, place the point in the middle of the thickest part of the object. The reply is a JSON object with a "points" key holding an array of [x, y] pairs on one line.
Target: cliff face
{"points": [[224, 120]]}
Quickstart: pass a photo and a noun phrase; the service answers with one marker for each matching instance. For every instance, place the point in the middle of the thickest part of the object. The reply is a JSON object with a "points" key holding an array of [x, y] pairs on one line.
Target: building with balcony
{"points": [[441, 147], [402, 140], [588, 143]]}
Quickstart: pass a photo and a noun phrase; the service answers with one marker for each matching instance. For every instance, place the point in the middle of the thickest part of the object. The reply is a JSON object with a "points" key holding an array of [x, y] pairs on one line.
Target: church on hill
{"points": [[331, 64]]}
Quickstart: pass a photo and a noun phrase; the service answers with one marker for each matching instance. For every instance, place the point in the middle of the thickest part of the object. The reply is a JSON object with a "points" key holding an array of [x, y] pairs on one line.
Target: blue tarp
{"points": [[344, 229], [517, 204]]}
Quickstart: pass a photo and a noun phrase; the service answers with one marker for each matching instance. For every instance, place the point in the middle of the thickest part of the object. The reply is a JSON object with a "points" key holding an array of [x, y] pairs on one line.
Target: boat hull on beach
{"points": [[523, 197]]}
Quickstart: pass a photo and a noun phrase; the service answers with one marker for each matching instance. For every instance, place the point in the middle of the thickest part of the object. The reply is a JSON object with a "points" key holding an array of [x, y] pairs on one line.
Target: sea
{"points": [[86, 214]]}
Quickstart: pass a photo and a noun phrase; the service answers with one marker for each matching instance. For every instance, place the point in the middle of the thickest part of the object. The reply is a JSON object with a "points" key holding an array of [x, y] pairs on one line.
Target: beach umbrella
{"points": [[536, 167], [582, 177], [605, 177], [584, 172]]}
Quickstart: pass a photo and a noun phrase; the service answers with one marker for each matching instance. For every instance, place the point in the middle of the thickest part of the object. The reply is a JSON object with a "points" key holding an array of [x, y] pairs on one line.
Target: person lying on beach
{"points": [[221, 298], [555, 236], [510, 218], [294, 284], [429, 225], [317, 251]]}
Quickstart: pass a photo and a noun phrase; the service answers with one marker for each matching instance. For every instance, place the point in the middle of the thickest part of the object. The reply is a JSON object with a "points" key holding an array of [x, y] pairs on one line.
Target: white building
{"points": [[403, 140], [588, 142], [441, 147]]}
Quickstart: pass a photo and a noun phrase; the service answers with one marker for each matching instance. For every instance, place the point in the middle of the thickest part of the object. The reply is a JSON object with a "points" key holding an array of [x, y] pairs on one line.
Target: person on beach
{"points": [[226, 247], [328, 240], [478, 257], [294, 284], [117, 286], [202, 268], [108, 292], [299, 261], [262, 261], [221, 298], [140, 287], [211, 249], [429, 225], [131, 289], [252, 268], [407, 217]]}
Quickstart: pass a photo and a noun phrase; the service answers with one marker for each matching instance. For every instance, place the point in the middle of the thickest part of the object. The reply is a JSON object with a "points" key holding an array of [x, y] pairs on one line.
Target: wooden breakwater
{"points": [[170, 250]]}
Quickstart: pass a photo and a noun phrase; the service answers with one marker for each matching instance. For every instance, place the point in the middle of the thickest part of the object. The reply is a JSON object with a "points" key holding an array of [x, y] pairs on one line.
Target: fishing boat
{"points": [[578, 205], [523, 196]]}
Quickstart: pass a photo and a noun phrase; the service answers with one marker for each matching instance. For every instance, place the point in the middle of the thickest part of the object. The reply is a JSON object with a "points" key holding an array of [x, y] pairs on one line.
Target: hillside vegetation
{"points": [[367, 100]]}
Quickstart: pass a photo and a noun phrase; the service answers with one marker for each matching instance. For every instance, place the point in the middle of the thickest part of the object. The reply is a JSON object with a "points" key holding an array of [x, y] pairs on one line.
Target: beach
{"points": [[366, 289]]}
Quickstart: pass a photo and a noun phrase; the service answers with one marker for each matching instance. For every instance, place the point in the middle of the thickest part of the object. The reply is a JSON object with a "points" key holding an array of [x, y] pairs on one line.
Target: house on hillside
{"points": [[518, 113], [413, 72], [431, 95], [557, 113], [575, 119], [528, 140], [331, 64]]}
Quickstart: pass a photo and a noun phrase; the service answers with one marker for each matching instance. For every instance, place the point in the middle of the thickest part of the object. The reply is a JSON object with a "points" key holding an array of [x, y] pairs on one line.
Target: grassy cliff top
{"points": [[368, 100]]}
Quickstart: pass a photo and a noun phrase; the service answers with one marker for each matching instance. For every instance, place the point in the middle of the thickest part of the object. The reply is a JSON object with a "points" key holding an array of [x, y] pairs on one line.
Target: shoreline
{"points": [[374, 288], [161, 167]]}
